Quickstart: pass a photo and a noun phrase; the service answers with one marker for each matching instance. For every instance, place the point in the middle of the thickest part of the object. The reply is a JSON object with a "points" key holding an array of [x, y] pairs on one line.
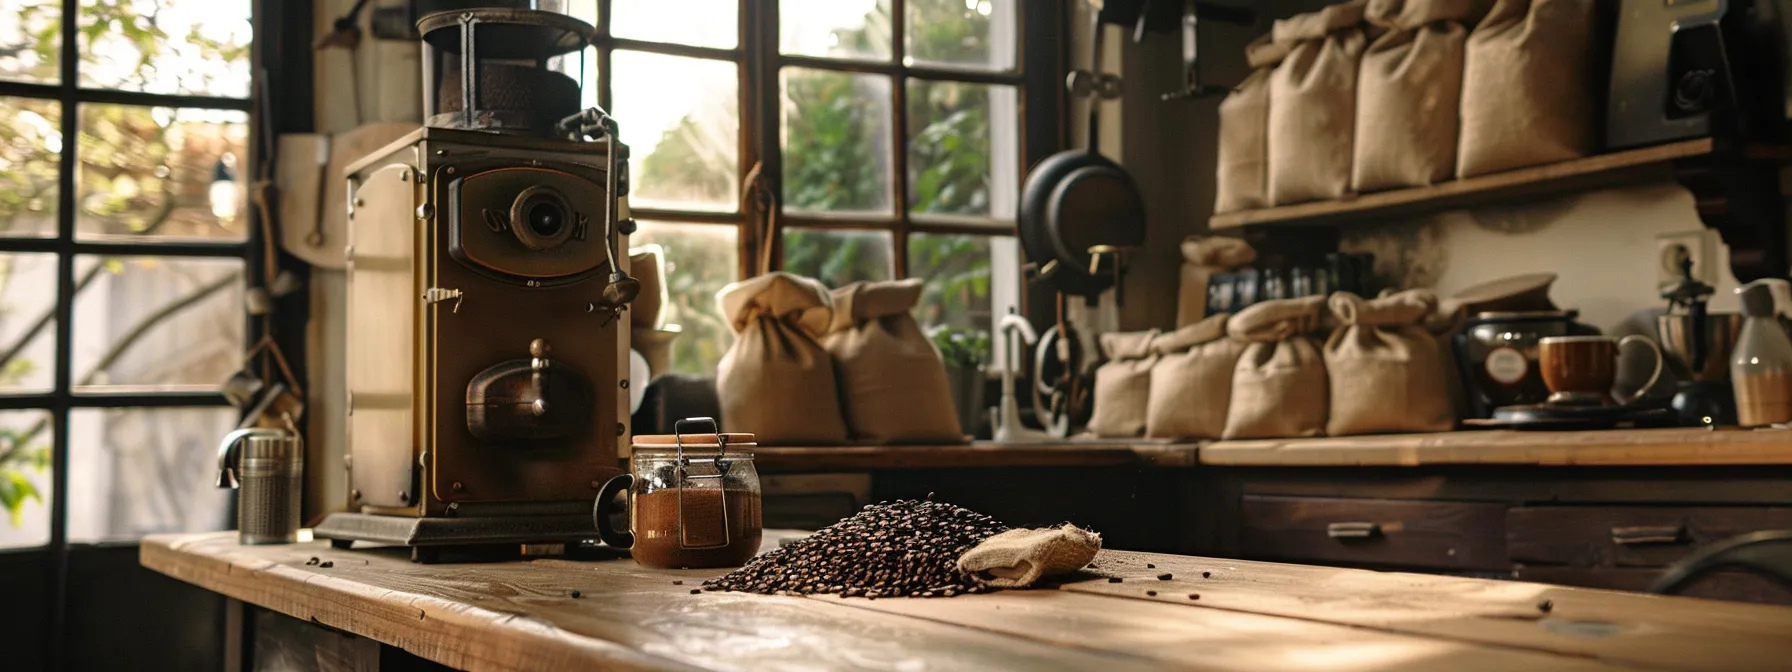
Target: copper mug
{"points": [[1580, 370]]}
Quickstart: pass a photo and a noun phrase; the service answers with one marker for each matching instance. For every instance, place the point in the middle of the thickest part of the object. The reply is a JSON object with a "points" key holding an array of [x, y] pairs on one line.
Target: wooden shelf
{"points": [[1604, 448], [983, 454], [1633, 166]]}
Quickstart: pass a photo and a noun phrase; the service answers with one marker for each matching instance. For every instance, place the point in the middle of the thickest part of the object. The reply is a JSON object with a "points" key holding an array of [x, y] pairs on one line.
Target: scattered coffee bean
{"points": [[1150, 566], [1206, 575], [678, 582], [907, 548], [694, 591], [1150, 593], [326, 564], [1194, 596], [577, 594], [1546, 606], [312, 561], [1165, 577], [1115, 579]]}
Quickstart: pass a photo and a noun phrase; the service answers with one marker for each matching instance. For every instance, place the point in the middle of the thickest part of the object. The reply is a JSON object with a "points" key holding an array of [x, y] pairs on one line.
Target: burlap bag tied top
{"points": [[1243, 167], [1387, 374], [1123, 384], [1528, 88], [893, 385], [1409, 93], [1202, 257], [1279, 385], [1018, 558], [1192, 381], [1312, 110], [776, 381]]}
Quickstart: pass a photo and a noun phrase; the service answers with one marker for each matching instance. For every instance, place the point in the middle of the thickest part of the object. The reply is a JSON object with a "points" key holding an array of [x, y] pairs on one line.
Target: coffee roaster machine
{"points": [[488, 353]]}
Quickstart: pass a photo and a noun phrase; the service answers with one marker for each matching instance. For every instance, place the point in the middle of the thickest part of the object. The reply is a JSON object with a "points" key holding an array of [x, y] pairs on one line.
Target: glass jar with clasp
{"points": [[693, 500]]}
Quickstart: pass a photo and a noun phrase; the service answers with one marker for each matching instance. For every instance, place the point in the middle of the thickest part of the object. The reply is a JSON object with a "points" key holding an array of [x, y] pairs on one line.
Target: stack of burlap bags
{"points": [[1383, 94], [811, 367], [1337, 365]]}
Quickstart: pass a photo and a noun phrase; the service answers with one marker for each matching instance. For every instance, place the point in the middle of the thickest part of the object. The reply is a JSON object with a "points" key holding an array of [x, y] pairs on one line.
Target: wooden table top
{"points": [[1077, 453], [1248, 616], [1605, 448]]}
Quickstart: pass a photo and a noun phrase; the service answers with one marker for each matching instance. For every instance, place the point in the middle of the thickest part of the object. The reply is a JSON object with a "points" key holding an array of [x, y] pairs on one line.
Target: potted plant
{"points": [[964, 353]]}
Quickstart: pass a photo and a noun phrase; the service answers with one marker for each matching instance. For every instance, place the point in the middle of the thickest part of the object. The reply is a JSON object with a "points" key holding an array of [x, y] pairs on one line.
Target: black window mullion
{"points": [[67, 164], [899, 132]]}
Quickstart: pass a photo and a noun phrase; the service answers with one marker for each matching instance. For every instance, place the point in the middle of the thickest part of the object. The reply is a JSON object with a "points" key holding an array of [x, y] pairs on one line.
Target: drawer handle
{"points": [[1643, 535], [1352, 530]]}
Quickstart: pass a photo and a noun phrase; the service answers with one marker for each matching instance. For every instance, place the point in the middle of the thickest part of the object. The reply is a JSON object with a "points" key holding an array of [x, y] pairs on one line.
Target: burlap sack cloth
{"points": [[1123, 385], [1202, 257], [1192, 382], [893, 386], [1278, 387], [1386, 372], [1312, 104], [1243, 166], [1017, 558], [1409, 93], [1527, 87], [776, 381]]}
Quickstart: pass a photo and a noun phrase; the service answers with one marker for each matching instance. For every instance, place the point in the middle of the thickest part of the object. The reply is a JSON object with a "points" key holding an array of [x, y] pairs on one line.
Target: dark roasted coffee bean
{"points": [[326, 564], [1194, 596], [1206, 575], [577, 594], [1165, 576], [694, 591], [1151, 593], [1115, 579], [1150, 566], [677, 582]]}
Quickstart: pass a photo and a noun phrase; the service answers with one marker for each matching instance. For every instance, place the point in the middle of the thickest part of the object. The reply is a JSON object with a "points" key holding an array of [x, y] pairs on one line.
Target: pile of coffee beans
{"points": [[907, 548]]}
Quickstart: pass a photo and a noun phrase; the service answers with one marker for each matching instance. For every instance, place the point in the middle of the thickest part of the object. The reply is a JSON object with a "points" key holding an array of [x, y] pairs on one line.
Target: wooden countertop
{"points": [[1090, 453], [1249, 616], [1607, 448]]}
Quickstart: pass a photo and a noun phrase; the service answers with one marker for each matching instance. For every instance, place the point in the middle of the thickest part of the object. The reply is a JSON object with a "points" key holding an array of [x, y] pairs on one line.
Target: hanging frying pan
{"points": [[1078, 199]]}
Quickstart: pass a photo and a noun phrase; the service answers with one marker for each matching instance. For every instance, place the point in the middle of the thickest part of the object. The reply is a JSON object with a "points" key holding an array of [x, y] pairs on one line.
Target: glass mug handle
{"points": [[1659, 361], [600, 512]]}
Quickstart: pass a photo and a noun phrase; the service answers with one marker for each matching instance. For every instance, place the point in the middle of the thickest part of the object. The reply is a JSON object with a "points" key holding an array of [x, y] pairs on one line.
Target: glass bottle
{"points": [[1761, 365]]}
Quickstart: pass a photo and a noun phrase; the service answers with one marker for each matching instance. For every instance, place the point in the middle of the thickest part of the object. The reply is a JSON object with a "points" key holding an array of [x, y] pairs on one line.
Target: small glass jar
{"points": [[693, 500]]}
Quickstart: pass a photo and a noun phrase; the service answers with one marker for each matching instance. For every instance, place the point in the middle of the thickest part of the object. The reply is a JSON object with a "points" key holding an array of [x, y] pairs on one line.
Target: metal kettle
{"points": [[267, 469]]}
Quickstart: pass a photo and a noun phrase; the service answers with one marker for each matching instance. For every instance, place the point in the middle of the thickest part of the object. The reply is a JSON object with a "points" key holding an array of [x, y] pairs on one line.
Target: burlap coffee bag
{"points": [[1528, 88], [647, 264], [776, 381], [1123, 385], [1202, 258], [1243, 166], [1409, 93], [1192, 381], [1312, 104], [1279, 385], [893, 386], [1386, 372]]}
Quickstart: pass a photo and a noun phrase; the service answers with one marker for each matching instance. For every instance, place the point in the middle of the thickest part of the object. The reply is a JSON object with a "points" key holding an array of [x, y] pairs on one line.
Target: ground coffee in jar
{"points": [[693, 500]]}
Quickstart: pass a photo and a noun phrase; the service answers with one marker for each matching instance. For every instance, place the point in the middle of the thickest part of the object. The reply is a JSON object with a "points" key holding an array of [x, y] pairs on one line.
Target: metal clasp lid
{"points": [[229, 456], [704, 535]]}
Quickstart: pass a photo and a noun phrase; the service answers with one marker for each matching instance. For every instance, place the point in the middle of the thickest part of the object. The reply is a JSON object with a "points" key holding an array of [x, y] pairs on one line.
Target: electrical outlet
{"points": [[1697, 246]]}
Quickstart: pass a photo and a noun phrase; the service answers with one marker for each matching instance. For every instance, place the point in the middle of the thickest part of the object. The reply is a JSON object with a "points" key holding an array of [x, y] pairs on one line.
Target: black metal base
{"points": [[462, 538]]}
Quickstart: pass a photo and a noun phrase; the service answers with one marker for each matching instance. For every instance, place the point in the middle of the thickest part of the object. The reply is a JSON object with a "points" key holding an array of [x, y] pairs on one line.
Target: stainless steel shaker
{"points": [[267, 468]]}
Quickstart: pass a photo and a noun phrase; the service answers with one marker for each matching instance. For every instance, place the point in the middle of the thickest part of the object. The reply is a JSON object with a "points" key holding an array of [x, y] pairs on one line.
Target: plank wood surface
{"points": [[1605, 170], [1248, 616], [1616, 447], [831, 459]]}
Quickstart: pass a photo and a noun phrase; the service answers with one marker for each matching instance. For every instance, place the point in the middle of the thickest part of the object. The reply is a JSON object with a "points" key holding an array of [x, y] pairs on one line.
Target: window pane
{"points": [[974, 33], [702, 23], [158, 321], [700, 259], [25, 438], [163, 172], [836, 141], [839, 258], [143, 471], [683, 139], [959, 163], [194, 47], [27, 322], [31, 42], [30, 147], [835, 28], [957, 269]]}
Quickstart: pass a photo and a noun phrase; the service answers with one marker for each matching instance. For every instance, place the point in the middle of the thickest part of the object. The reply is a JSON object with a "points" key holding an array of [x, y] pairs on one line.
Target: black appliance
{"points": [[1686, 69]]}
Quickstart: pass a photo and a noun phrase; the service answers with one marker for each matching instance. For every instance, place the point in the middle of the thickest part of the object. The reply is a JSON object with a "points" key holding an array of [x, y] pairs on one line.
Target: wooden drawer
{"points": [[1600, 536], [1395, 533], [1732, 586]]}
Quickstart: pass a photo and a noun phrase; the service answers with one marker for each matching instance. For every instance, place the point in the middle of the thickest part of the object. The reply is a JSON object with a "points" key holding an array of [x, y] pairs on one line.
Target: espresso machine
{"points": [[487, 364]]}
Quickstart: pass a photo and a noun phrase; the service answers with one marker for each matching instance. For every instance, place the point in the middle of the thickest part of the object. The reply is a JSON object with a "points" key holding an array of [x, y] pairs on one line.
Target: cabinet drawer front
{"points": [[1601, 536], [1418, 534]]}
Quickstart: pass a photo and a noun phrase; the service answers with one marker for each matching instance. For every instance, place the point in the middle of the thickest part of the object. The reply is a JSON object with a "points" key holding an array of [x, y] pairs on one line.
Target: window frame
{"points": [[1039, 68]]}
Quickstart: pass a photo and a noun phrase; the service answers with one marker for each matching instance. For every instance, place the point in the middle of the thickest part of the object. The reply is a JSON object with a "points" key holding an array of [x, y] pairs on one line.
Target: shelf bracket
{"points": [[1737, 192]]}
